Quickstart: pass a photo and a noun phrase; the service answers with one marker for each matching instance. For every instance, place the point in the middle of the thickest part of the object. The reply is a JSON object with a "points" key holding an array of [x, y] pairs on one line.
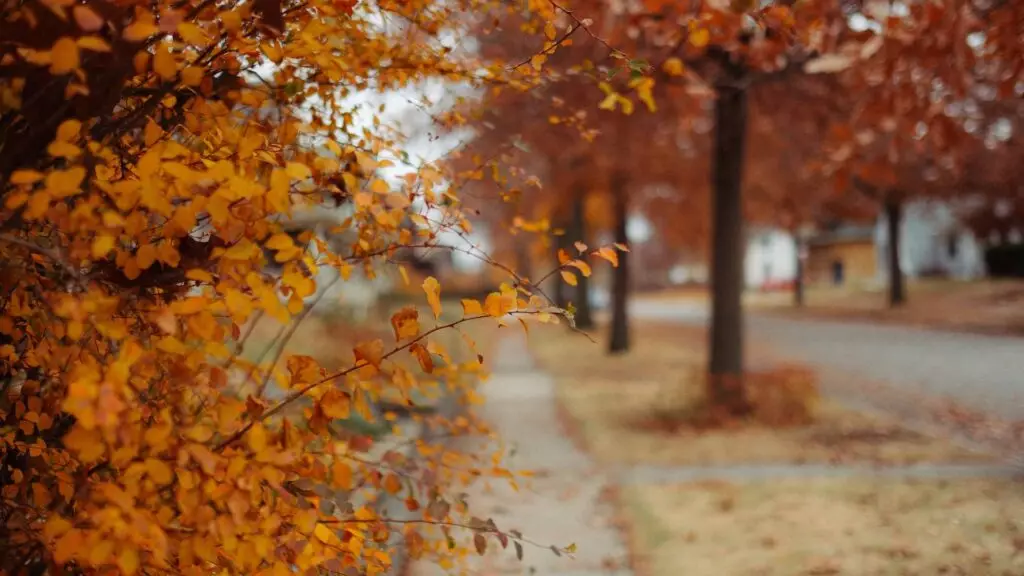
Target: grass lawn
{"points": [[820, 527], [631, 410]]}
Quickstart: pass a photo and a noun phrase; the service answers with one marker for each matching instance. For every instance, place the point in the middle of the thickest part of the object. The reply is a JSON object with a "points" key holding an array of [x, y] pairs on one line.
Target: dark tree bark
{"points": [[798, 280], [726, 392], [897, 284], [578, 233], [559, 291], [619, 337]]}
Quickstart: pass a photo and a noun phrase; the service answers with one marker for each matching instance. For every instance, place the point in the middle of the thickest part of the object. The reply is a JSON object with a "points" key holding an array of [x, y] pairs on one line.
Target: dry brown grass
{"points": [[819, 527], [641, 408], [982, 306]]}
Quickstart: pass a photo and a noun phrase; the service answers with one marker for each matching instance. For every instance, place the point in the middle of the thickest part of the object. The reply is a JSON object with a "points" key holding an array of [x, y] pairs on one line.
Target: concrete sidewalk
{"points": [[562, 505]]}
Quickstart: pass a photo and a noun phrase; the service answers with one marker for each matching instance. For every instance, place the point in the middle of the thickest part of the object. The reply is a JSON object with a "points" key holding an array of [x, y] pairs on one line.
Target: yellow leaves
{"points": [[64, 56], [24, 177], [608, 254], [612, 98], [273, 51], [336, 404], [499, 304], [405, 323], [192, 76], [128, 560], [304, 369], [55, 526], [582, 266], [284, 246], [164, 63], [341, 475], [159, 471], [102, 244], [324, 534], [673, 66], [193, 34], [537, 61], [699, 37], [422, 356], [644, 89], [242, 250], [371, 352], [256, 438], [64, 183], [298, 171], [139, 30], [471, 307], [392, 484], [569, 277], [301, 284], [68, 130], [433, 290]]}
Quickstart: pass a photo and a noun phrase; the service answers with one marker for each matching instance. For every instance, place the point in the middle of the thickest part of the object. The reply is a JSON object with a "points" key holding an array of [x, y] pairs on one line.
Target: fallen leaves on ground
{"points": [[830, 526]]}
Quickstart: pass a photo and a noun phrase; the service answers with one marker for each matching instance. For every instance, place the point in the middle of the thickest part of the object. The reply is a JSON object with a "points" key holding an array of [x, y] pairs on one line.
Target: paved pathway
{"points": [[982, 372], [563, 504]]}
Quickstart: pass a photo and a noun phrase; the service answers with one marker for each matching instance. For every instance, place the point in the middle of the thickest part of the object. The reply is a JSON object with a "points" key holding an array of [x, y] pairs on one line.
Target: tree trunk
{"points": [[726, 392], [559, 292], [619, 340], [897, 285], [584, 318], [798, 280]]}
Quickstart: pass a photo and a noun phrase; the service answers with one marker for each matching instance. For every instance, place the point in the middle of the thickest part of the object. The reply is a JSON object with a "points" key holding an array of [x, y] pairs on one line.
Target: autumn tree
{"points": [[151, 152]]}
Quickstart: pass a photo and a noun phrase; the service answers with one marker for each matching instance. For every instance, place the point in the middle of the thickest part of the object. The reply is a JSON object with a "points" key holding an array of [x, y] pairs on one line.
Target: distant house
{"points": [[934, 242], [770, 260], [841, 255]]}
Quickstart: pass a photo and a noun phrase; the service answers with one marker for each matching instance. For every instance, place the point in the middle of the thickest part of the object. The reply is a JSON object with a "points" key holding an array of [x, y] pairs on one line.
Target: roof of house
{"points": [[842, 234]]}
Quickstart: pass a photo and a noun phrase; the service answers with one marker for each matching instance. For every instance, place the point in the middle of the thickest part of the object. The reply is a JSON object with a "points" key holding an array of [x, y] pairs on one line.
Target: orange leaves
{"points": [[569, 277], [64, 56], [371, 352], [423, 357], [433, 291], [498, 304], [160, 249], [471, 307], [405, 323]]}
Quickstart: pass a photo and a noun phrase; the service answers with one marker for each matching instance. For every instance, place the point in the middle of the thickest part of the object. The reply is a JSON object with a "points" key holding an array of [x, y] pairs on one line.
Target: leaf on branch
{"points": [[608, 254], [563, 257], [580, 246], [622, 247], [423, 357], [569, 278], [480, 543], [471, 307], [433, 290], [406, 323], [519, 550], [582, 266], [371, 352]]}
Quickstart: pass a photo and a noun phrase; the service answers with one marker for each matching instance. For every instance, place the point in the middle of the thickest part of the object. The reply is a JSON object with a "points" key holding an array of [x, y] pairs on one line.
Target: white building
{"points": [[932, 243], [770, 258]]}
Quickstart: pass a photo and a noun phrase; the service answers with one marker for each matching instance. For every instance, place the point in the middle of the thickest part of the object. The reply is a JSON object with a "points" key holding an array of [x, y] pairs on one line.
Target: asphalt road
{"points": [[982, 372]]}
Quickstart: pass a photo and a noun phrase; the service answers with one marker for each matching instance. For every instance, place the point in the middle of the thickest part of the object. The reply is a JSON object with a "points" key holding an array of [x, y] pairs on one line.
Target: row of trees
{"points": [[787, 114]]}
